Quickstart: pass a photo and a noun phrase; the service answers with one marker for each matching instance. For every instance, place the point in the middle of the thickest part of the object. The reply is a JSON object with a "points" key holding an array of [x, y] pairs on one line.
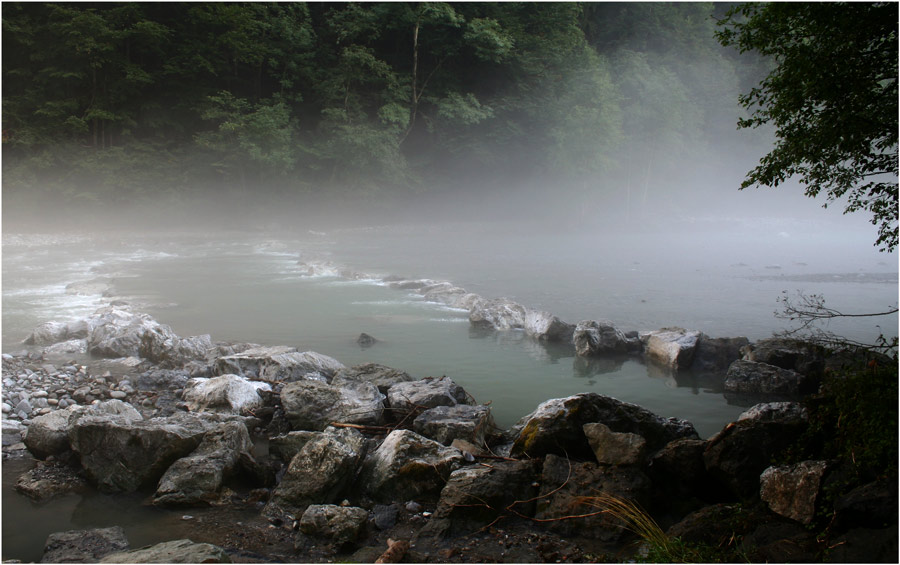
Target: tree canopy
{"points": [[832, 98]]}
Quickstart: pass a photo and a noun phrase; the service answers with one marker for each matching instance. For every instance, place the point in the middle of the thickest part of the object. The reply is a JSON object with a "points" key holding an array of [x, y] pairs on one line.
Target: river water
{"points": [[248, 286]]}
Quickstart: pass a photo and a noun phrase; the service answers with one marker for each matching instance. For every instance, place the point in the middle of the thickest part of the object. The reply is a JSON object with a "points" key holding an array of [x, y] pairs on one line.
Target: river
{"points": [[248, 286]]}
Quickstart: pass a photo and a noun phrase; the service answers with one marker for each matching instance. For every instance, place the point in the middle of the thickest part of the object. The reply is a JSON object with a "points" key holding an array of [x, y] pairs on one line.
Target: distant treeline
{"points": [[123, 101]]}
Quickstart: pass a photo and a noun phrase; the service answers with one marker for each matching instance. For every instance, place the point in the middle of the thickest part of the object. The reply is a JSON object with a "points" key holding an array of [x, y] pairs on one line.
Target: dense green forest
{"points": [[129, 102]]}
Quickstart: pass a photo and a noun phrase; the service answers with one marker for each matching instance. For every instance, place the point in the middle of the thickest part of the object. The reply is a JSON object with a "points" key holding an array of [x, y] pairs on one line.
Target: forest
{"points": [[107, 103]]}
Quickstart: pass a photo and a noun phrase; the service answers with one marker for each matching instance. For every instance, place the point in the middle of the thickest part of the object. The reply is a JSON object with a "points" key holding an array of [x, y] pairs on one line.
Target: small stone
{"points": [[52, 402], [118, 395], [6, 408], [413, 507], [39, 394]]}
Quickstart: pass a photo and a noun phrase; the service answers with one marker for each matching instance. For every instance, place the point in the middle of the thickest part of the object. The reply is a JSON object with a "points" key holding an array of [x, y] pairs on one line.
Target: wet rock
{"points": [[766, 381], [793, 490], [429, 392], [279, 363], [338, 524], [49, 480], [321, 472], [198, 478], [225, 393], [597, 338], [314, 405], [714, 355], [612, 448], [476, 496], [83, 546], [382, 376], [408, 466], [566, 488], [365, 340], [66, 348], [178, 551], [673, 348], [49, 434], [556, 426], [447, 423]]}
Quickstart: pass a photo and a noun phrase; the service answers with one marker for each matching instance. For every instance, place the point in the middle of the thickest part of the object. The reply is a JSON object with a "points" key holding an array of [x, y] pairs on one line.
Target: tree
{"points": [[832, 98]]}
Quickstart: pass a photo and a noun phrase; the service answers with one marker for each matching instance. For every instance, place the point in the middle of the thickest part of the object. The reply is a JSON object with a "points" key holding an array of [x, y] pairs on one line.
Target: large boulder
{"points": [[547, 327], [447, 423], [672, 348], [408, 466], [286, 446], [279, 364], [49, 434], [314, 405], [557, 426], [178, 551], [714, 355], [601, 337], [793, 491], [339, 525], [382, 376], [793, 354], [406, 397], [83, 546], [497, 314], [321, 473], [761, 380], [225, 393], [48, 333], [198, 478], [680, 480], [475, 496], [124, 455], [737, 455], [615, 448]]}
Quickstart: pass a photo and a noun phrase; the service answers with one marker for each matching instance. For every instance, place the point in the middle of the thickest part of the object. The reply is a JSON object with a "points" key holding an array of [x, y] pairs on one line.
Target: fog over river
{"points": [[250, 286]]}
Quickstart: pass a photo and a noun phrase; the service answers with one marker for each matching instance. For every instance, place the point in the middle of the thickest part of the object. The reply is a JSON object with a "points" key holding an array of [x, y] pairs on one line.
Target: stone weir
{"points": [[365, 462]]}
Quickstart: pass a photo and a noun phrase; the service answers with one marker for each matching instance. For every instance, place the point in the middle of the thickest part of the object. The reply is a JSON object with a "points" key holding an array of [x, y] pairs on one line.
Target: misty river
{"points": [[248, 286]]}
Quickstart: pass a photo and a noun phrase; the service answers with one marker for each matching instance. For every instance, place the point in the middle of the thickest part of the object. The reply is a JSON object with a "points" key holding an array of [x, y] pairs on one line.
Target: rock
{"points": [[162, 379], [49, 480], [83, 546], [313, 405], [793, 490], [760, 380], [12, 432], [714, 355], [718, 525], [49, 434], [780, 542], [198, 478], [447, 423], [597, 338], [791, 354], [48, 333], [321, 472], [737, 455], [873, 505], [776, 412], [497, 314], [864, 545], [101, 286], [119, 454], [225, 393], [166, 349], [66, 348], [573, 484], [280, 363], [178, 551], [612, 448], [338, 524], [386, 515], [671, 347], [429, 392], [408, 466], [547, 327], [381, 376], [556, 426], [365, 340], [286, 446], [680, 480], [476, 496]]}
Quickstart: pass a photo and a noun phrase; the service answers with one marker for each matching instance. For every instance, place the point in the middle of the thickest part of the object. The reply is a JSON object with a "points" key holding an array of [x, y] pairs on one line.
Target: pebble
{"points": [[118, 394]]}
